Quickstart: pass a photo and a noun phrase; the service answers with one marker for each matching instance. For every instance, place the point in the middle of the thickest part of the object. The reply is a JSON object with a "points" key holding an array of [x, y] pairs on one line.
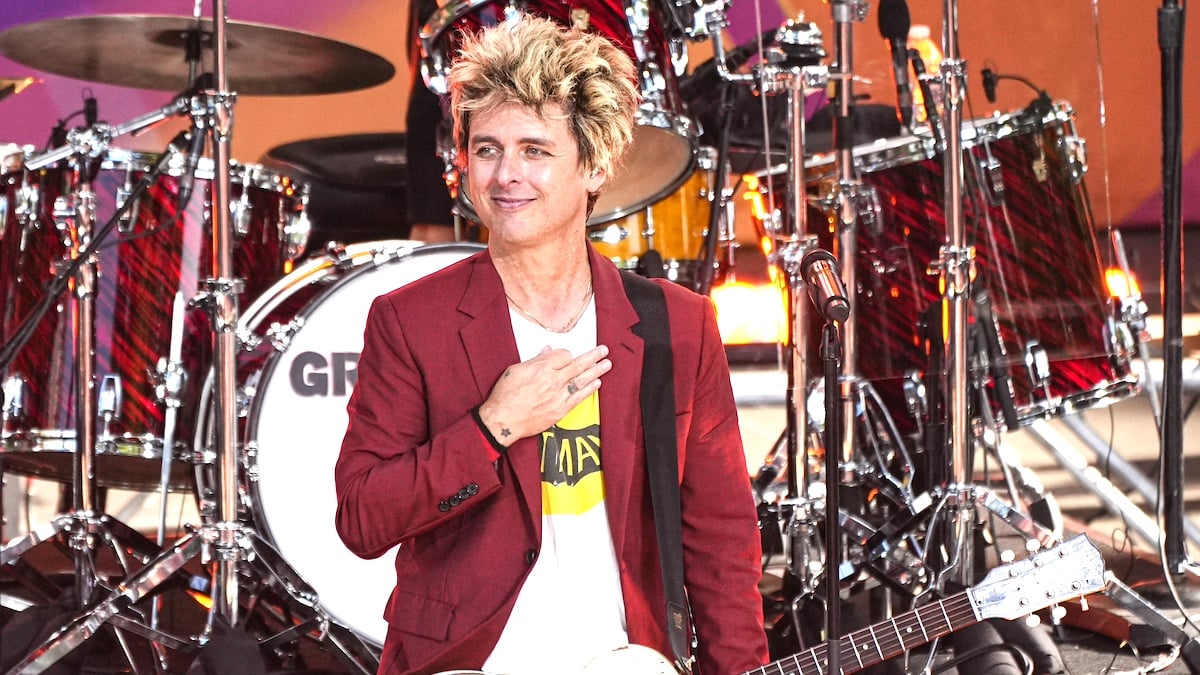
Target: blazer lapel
{"points": [[490, 348], [620, 412]]}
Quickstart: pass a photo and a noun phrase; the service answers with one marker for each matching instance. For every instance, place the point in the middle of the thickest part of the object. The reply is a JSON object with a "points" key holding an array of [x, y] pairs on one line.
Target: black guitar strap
{"points": [[658, 421]]}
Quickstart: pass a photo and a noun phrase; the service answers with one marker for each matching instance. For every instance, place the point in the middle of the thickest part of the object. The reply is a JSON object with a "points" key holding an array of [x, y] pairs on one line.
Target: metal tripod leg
{"points": [[1123, 468], [1130, 600], [116, 609], [1088, 476], [86, 623]]}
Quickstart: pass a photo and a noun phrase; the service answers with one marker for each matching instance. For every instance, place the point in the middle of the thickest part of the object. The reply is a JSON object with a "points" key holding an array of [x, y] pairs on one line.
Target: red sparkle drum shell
{"points": [[149, 270], [1028, 218]]}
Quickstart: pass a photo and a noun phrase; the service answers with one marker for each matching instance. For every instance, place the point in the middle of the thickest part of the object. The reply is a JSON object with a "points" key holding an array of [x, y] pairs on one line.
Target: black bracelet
{"points": [[487, 433]]}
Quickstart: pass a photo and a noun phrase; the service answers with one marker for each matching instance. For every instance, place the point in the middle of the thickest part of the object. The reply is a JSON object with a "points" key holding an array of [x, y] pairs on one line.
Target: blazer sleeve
{"points": [[394, 480]]}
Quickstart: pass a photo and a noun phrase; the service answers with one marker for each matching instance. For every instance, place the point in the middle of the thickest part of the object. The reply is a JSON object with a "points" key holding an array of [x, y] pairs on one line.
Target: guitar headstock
{"points": [[1069, 570]]}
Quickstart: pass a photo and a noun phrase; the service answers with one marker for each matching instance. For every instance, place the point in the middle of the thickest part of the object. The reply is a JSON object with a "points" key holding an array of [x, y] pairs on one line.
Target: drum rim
{"points": [[894, 151], [252, 174], [50, 442]]}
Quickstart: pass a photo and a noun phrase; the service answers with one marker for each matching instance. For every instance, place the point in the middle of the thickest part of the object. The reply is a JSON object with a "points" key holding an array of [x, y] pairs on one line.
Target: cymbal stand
{"points": [[226, 544], [793, 69], [790, 69]]}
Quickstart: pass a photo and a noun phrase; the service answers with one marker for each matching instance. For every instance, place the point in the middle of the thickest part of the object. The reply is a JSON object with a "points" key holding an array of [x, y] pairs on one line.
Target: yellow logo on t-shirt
{"points": [[572, 480]]}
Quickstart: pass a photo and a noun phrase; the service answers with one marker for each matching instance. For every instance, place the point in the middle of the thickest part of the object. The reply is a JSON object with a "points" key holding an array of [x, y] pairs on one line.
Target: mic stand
{"points": [[831, 357], [1170, 41], [792, 69]]}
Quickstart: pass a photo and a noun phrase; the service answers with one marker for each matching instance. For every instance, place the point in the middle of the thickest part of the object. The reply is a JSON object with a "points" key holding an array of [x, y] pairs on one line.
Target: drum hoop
{"points": [[892, 152], [254, 175], [1017, 123]]}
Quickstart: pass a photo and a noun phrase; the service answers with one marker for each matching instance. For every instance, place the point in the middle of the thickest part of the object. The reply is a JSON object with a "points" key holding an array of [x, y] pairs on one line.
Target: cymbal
{"points": [[149, 52]]}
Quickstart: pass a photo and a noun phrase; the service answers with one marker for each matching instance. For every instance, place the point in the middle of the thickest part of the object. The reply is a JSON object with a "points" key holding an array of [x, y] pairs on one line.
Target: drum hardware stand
{"points": [[226, 544], [84, 526]]}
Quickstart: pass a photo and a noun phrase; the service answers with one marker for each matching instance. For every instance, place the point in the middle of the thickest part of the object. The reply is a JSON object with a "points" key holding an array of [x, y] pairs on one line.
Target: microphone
{"points": [[187, 179], [894, 24], [819, 269], [989, 84]]}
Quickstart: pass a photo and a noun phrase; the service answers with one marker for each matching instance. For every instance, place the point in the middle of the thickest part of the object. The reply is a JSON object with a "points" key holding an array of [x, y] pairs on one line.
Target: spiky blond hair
{"points": [[533, 62]]}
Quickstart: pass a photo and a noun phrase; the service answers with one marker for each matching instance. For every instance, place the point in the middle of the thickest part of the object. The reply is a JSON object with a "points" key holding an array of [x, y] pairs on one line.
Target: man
{"points": [[495, 430]]}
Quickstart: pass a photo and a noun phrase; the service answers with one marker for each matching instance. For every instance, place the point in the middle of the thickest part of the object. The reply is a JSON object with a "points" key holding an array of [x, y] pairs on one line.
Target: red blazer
{"points": [[414, 470]]}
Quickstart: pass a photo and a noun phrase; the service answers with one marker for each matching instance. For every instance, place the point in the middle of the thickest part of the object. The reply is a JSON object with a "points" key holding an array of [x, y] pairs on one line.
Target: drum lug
{"points": [[65, 211], [1037, 362], [29, 201], [129, 217], [248, 339], [14, 397], [915, 397], [1074, 149], [993, 179], [250, 460], [168, 379], [297, 228], [245, 396], [241, 212], [281, 334], [1122, 343], [108, 405]]}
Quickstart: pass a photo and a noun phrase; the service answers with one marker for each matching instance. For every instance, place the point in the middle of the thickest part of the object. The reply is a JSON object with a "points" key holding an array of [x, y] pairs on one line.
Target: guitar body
{"points": [[630, 660], [627, 660]]}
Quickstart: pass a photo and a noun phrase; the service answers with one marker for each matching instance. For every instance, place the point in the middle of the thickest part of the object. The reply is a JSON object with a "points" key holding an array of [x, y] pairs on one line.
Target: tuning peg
{"points": [[1057, 614]]}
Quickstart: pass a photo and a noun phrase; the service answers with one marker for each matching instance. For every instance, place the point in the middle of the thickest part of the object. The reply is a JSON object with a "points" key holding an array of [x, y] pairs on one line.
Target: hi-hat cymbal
{"points": [[149, 52]]}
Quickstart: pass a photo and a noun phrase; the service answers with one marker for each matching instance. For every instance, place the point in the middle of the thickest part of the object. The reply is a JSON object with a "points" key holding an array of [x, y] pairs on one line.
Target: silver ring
{"points": [[571, 387]]}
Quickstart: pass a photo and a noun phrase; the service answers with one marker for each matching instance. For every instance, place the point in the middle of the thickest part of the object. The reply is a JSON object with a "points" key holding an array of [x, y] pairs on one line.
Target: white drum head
{"points": [[297, 424]]}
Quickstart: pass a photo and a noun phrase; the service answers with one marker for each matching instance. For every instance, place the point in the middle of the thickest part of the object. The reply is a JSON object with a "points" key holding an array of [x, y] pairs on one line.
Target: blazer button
{"points": [[530, 556], [443, 506], [472, 488], [454, 500], [463, 494]]}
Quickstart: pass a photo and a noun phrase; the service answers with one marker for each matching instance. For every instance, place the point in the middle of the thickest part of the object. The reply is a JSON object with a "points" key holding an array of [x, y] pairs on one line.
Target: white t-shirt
{"points": [[570, 609]]}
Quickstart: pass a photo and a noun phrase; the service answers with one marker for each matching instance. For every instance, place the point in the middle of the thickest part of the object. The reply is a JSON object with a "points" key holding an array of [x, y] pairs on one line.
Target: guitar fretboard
{"points": [[879, 642]]}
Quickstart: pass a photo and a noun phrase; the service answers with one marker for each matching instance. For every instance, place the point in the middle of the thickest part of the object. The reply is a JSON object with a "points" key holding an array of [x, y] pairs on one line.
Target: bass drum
{"points": [[303, 338]]}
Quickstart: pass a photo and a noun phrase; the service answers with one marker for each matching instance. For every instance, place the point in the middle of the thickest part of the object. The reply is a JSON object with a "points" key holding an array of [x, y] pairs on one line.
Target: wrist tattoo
{"points": [[505, 432]]}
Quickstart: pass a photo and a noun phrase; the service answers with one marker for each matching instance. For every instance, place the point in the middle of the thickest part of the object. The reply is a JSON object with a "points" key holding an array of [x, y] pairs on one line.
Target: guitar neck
{"points": [[879, 642]]}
